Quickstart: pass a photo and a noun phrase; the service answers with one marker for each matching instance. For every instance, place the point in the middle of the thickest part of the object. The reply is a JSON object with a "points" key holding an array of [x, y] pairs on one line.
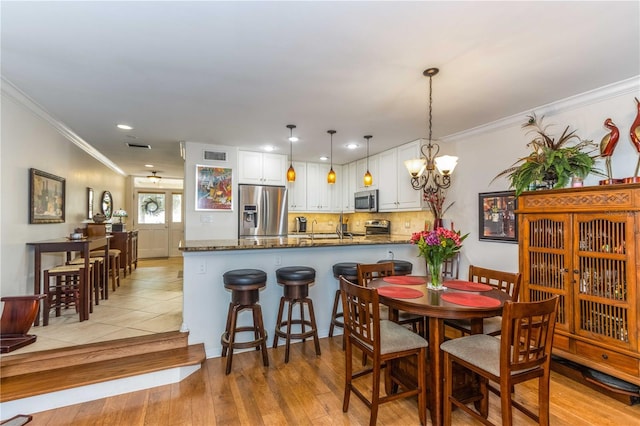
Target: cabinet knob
{"points": [[605, 356]]}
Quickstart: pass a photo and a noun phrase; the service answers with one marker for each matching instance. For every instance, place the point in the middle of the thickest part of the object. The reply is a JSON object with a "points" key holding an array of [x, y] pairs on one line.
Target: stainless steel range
{"points": [[377, 228]]}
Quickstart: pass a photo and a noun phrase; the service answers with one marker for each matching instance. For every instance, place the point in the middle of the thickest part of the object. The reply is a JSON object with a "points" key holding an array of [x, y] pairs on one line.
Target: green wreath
{"points": [[151, 207]]}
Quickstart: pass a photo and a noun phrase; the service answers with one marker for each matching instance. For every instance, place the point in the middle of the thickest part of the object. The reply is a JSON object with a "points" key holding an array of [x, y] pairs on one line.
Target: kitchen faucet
{"points": [[339, 227]]}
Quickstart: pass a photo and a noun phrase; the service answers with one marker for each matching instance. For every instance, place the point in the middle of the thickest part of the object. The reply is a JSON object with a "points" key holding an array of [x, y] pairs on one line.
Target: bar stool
{"points": [[350, 271], [244, 285], [296, 280], [400, 267], [114, 265], [65, 291], [100, 291]]}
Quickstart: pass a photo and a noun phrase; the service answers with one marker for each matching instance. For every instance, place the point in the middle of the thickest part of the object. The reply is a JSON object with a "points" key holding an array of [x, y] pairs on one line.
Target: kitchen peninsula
{"points": [[206, 300]]}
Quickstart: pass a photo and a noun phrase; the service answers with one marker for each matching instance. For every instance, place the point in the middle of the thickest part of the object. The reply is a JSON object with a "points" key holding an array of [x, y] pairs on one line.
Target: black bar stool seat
{"points": [[296, 280], [245, 285], [400, 267], [350, 271]]}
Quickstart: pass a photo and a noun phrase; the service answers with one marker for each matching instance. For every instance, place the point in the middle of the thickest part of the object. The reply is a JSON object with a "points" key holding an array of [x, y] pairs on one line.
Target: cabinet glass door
{"points": [[602, 259], [546, 259]]}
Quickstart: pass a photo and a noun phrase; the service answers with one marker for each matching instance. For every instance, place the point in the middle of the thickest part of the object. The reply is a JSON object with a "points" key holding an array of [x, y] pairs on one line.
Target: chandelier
{"points": [[423, 170]]}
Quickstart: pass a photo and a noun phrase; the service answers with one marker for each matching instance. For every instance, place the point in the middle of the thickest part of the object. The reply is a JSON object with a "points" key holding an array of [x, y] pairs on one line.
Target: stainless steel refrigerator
{"points": [[263, 211]]}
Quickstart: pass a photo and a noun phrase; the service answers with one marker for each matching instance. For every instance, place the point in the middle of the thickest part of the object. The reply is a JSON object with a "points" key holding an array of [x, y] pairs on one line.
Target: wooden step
{"points": [[42, 382], [12, 365]]}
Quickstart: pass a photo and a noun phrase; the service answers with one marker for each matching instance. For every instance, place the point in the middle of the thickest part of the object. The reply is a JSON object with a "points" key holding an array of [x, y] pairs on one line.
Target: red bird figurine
{"points": [[608, 143], [634, 133]]}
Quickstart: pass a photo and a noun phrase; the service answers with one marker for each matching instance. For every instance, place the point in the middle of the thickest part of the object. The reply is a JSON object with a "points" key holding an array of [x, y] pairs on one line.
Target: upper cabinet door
{"points": [[298, 189], [408, 198], [262, 169], [274, 169]]}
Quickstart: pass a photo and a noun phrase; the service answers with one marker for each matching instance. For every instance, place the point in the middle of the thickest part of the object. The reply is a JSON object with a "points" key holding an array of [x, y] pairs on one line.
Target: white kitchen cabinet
{"points": [[262, 168], [322, 196], [395, 190], [348, 187], [297, 191], [361, 169]]}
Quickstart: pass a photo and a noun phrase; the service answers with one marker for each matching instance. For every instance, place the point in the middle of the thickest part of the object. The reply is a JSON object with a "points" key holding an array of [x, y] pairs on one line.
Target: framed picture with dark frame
{"points": [[498, 220], [46, 197]]}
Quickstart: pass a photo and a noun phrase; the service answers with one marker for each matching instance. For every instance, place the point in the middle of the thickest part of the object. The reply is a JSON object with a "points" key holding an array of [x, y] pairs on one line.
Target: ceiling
{"points": [[236, 73]]}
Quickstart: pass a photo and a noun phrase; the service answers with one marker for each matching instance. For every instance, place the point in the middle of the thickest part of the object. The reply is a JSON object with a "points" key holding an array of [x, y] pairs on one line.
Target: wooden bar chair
{"points": [[100, 290], [114, 265], [509, 282], [382, 341], [64, 292], [522, 353]]}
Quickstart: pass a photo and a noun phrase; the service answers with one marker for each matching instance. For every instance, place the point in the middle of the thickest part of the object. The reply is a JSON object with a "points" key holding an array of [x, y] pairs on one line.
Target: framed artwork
{"points": [[497, 216], [214, 188], [46, 197], [89, 203]]}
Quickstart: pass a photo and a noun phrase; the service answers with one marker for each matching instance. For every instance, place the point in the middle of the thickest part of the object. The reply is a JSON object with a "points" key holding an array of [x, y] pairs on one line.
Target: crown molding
{"points": [[18, 95], [624, 87]]}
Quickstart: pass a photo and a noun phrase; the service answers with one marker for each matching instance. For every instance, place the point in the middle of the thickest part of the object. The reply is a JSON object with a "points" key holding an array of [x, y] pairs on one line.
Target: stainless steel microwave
{"points": [[366, 201]]}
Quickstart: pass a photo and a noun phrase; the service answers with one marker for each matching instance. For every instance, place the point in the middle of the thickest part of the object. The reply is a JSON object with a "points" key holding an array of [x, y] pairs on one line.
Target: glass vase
{"points": [[436, 279]]}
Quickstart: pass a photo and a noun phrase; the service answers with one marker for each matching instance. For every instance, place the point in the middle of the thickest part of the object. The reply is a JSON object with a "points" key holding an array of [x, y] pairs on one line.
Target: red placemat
{"points": [[404, 279], [467, 286], [400, 292], [473, 300]]}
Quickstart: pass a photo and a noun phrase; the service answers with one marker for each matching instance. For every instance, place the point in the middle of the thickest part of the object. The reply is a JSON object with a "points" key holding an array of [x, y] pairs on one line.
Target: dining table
{"points": [[470, 301], [69, 246]]}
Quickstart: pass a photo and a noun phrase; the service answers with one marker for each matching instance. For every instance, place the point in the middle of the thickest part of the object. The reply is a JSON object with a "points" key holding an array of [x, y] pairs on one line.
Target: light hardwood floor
{"points": [[307, 391], [149, 300]]}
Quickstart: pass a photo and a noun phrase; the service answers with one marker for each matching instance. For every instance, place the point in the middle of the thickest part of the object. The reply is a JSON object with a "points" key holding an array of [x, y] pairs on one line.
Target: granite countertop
{"points": [[252, 243]]}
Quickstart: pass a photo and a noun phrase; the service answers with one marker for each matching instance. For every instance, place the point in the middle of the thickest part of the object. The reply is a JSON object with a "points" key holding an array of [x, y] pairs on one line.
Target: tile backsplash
{"points": [[402, 223]]}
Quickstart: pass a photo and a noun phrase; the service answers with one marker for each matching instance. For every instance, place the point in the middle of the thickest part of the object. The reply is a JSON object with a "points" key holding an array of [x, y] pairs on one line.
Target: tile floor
{"points": [[149, 300]]}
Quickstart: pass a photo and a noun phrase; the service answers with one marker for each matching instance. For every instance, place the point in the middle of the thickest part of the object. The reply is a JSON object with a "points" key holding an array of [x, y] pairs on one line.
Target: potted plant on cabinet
{"points": [[552, 163]]}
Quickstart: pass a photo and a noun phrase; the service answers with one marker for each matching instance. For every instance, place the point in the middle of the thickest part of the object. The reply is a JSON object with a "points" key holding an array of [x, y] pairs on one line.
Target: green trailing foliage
{"points": [[551, 161]]}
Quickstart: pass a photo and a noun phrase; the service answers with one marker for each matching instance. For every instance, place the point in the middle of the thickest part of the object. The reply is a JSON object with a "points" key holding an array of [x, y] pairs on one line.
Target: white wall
{"points": [[207, 225], [29, 141], [486, 151]]}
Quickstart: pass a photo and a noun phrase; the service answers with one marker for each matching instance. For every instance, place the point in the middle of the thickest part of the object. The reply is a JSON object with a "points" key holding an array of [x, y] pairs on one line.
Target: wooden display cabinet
{"points": [[580, 244]]}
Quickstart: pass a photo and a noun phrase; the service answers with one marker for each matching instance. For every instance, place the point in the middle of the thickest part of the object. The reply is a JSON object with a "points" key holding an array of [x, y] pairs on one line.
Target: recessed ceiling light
{"points": [[149, 166], [352, 146], [324, 158], [124, 127], [269, 148]]}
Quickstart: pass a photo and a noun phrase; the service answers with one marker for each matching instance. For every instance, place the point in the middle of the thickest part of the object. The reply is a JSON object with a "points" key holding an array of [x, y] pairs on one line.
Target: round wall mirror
{"points": [[107, 204]]}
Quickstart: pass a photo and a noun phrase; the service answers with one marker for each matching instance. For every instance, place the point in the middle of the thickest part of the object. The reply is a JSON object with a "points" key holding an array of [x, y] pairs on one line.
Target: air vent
{"points": [[215, 155], [138, 145]]}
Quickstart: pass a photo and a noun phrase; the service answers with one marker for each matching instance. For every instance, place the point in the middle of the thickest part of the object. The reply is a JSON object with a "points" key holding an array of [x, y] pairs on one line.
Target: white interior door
{"points": [[152, 218], [176, 224]]}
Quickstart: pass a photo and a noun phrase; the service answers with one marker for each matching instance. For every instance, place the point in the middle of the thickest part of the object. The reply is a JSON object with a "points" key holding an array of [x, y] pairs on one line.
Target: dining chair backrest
{"points": [[509, 282], [361, 309], [370, 271], [527, 336]]}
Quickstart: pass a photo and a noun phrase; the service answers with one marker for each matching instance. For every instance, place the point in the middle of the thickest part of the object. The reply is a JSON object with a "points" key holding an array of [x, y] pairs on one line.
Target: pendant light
{"points": [[331, 177], [154, 178], [368, 179], [291, 173]]}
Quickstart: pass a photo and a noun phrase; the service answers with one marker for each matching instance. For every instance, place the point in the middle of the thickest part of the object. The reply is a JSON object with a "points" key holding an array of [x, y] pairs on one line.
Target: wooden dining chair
{"points": [[522, 353], [382, 340], [509, 282], [18, 314], [371, 271]]}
